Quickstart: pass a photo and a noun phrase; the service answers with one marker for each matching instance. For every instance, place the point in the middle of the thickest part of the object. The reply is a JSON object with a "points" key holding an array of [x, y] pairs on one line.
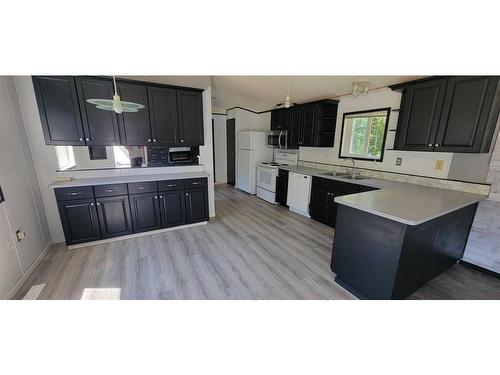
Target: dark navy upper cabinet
{"points": [[190, 109], [100, 126], [448, 114], [57, 101], [135, 127], [466, 124], [163, 113], [171, 116]]}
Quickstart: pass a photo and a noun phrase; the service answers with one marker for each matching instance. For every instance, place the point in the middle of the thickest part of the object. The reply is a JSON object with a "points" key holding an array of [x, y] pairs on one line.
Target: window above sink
{"points": [[364, 133]]}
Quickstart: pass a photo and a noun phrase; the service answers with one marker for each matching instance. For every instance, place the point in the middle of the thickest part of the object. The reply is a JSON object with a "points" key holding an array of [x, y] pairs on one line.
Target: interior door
{"points": [[100, 127], [10, 269], [231, 151]]}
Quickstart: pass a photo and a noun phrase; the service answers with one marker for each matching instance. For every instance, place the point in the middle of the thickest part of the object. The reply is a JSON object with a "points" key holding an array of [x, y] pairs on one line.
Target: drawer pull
{"points": [[73, 194], [171, 185], [195, 183], [142, 187], [109, 190]]}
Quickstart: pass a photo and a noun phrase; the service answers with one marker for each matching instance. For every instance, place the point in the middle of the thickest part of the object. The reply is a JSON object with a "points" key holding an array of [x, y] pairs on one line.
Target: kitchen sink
{"points": [[354, 177]]}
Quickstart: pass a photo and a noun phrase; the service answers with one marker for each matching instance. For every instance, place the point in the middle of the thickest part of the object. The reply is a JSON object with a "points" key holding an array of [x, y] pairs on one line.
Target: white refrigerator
{"points": [[252, 149]]}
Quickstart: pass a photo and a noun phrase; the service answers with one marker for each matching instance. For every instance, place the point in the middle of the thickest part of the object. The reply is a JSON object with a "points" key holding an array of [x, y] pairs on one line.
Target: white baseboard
{"points": [[28, 272], [135, 235]]}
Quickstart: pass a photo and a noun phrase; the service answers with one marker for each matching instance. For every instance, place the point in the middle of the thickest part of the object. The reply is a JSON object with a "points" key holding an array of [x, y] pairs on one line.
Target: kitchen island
{"points": [[390, 242]]}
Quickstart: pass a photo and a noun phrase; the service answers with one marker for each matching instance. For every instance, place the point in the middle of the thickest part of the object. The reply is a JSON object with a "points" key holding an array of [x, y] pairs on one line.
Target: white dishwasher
{"points": [[299, 193]]}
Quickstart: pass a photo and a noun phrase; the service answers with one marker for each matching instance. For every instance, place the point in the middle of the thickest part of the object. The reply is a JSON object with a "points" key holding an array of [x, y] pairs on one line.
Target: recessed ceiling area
{"points": [[261, 93]]}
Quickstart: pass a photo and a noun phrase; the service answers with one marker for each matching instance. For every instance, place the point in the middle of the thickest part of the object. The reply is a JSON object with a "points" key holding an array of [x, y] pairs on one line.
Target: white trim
{"points": [[28, 272], [135, 235]]}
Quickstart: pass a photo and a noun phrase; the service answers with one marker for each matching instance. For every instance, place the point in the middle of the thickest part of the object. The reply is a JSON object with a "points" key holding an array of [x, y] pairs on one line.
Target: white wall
{"points": [[220, 147], [417, 163], [45, 161], [206, 151], [23, 209]]}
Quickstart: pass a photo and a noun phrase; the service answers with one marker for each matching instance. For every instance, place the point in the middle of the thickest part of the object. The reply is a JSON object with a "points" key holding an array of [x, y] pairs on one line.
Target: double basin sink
{"points": [[345, 175]]}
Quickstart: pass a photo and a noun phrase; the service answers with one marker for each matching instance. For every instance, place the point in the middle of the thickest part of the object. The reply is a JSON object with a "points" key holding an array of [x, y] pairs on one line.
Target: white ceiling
{"points": [[260, 93]]}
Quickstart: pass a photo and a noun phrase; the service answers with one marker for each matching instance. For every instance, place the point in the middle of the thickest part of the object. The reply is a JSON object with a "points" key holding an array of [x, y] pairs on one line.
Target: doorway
{"points": [[231, 151]]}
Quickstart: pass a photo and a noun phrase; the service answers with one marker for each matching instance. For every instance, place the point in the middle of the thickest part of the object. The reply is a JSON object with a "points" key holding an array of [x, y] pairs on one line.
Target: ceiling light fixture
{"points": [[359, 88], [115, 104], [288, 102]]}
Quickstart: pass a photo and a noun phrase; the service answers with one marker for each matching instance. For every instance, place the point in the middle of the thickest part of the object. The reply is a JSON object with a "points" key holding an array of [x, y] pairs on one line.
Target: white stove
{"points": [[267, 172]]}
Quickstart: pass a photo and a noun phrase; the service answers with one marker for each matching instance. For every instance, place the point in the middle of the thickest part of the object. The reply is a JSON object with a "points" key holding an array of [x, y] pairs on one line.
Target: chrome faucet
{"points": [[354, 172]]}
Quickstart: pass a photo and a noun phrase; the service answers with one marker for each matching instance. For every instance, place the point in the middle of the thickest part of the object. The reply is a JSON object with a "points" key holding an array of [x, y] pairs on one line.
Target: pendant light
{"points": [[115, 104], [288, 102]]}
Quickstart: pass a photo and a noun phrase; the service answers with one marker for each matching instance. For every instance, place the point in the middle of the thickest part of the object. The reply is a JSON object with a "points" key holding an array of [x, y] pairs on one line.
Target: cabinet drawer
{"points": [[195, 182], [142, 187], [170, 185], [110, 190], [70, 193]]}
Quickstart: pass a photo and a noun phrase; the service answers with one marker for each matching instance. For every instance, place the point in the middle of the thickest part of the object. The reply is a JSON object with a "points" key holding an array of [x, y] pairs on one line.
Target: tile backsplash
{"points": [[467, 187]]}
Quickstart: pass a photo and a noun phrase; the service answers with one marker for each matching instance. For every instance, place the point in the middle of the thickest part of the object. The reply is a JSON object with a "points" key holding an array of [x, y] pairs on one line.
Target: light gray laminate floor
{"points": [[251, 250]]}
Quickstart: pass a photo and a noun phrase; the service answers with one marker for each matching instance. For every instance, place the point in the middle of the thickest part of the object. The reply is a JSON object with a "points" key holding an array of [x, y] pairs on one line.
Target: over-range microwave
{"points": [[277, 138], [183, 155]]}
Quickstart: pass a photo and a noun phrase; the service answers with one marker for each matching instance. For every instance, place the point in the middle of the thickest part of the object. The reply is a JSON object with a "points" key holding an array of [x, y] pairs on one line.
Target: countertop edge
{"points": [[405, 221], [95, 181]]}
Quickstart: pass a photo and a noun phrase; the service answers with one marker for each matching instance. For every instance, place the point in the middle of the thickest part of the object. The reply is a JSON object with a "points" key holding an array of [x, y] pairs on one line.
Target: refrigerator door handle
{"points": [[279, 139]]}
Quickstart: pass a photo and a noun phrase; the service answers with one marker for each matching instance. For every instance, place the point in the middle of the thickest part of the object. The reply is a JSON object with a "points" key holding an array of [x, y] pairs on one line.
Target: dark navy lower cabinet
{"points": [[79, 221], [196, 205], [145, 212], [172, 208], [106, 211], [114, 216]]}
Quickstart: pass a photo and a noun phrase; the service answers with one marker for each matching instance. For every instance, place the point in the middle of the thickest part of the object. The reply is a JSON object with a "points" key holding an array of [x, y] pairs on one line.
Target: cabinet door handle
{"points": [[154, 140], [182, 140], [87, 139], [156, 197], [430, 144], [98, 203], [187, 194], [437, 144], [81, 139], [92, 204], [161, 196], [149, 140]]}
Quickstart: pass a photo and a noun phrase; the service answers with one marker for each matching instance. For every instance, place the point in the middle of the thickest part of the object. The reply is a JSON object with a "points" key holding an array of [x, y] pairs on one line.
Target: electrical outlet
{"points": [[399, 161], [439, 165]]}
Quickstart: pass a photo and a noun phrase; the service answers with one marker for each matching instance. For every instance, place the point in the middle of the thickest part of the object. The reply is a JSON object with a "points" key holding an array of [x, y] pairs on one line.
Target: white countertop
{"points": [[126, 179], [410, 204]]}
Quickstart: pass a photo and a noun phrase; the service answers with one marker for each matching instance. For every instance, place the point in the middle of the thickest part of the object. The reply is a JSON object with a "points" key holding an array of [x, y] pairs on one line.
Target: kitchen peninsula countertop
{"points": [[407, 203], [126, 179]]}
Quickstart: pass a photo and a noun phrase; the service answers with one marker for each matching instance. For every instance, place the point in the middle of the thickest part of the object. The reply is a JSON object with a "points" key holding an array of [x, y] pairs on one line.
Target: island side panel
{"points": [[366, 251], [432, 247]]}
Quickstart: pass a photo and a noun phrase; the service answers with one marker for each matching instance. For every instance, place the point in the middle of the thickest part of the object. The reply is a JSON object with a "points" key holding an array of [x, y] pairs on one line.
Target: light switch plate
{"points": [[439, 165], [399, 161]]}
